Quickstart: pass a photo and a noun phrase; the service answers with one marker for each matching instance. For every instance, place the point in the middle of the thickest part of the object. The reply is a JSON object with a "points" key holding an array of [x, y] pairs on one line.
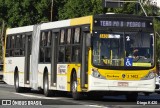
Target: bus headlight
{"points": [[150, 75], [96, 74]]}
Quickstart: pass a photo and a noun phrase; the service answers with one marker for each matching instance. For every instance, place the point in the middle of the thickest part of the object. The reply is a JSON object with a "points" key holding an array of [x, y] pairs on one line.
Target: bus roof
{"points": [[66, 23], [19, 29], [56, 24], [51, 25]]}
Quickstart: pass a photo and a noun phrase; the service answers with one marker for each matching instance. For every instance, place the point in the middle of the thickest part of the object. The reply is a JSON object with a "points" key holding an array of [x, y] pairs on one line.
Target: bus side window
{"points": [[43, 39], [62, 38], [77, 35], [45, 47], [12, 46], [17, 45], [68, 54], [49, 39], [18, 41], [61, 54], [8, 46], [42, 44], [23, 44], [48, 55], [48, 48], [69, 36], [76, 54], [68, 46], [41, 55]]}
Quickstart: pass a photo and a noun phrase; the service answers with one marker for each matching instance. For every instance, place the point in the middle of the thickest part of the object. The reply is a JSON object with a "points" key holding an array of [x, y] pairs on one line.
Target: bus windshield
{"points": [[123, 49]]}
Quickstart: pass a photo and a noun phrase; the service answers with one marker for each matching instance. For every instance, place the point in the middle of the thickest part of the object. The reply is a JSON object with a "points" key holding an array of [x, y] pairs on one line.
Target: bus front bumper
{"points": [[96, 84]]}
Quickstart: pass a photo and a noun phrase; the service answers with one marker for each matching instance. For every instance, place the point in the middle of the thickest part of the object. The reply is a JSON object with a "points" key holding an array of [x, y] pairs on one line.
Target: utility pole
{"points": [[137, 6], [2, 37], [52, 10]]}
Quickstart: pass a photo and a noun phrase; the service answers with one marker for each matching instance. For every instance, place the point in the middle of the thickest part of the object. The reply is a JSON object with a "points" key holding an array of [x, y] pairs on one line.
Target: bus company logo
{"points": [[112, 76], [123, 75]]}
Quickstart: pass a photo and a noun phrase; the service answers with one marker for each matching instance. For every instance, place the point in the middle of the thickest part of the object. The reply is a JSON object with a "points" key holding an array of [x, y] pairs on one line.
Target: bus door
{"points": [[28, 45], [85, 52], [55, 34]]}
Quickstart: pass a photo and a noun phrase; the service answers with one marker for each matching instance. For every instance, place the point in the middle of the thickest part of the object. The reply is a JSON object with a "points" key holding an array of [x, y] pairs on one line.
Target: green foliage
{"points": [[75, 8], [158, 48], [157, 30], [128, 8], [24, 12], [97, 7]]}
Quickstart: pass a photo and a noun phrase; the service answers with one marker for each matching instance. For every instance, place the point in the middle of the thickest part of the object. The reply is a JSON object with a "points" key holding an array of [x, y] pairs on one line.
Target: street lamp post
{"points": [[2, 37], [51, 10], [123, 1]]}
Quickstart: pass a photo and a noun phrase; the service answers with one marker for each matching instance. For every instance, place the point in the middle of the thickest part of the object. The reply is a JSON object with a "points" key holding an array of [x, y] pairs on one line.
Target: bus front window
{"points": [[139, 46], [108, 49], [121, 48]]}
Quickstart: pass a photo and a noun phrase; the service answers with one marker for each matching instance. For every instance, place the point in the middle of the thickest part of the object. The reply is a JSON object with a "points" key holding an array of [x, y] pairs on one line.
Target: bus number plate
{"points": [[123, 84]]}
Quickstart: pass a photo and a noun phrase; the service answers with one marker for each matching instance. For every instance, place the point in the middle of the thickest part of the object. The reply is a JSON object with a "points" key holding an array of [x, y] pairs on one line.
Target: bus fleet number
{"points": [[132, 76]]}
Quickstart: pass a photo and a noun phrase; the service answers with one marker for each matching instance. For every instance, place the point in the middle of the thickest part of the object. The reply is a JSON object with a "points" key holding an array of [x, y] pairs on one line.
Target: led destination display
{"points": [[121, 23]]}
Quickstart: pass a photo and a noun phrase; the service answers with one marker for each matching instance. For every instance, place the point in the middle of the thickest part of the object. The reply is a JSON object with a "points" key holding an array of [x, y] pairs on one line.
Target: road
{"points": [[34, 98]]}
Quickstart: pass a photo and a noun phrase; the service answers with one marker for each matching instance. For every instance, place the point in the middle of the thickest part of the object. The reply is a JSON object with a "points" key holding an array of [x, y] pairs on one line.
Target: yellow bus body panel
{"points": [[76, 68], [81, 21], [117, 74]]}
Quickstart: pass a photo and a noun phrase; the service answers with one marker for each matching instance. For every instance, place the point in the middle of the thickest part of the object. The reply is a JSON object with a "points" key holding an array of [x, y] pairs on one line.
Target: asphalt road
{"points": [[37, 100]]}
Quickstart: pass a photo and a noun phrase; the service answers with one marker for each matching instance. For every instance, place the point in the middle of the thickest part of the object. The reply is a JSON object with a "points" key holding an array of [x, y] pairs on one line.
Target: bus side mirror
{"points": [[88, 40]]}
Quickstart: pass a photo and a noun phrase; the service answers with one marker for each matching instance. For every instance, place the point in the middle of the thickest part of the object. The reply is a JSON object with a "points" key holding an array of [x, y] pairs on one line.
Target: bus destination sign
{"points": [[114, 23]]}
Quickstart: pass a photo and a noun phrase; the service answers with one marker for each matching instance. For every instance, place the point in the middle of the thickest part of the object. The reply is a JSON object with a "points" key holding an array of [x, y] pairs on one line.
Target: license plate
{"points": [[123, 84]]}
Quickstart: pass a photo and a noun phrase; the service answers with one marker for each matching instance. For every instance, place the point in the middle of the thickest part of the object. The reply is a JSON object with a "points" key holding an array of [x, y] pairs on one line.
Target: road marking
{"points": [[41, 97], [97, 106]]}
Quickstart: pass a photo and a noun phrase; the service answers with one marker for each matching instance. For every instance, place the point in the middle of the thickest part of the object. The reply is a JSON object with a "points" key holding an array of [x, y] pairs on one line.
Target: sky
{"points": [[158, 2]]}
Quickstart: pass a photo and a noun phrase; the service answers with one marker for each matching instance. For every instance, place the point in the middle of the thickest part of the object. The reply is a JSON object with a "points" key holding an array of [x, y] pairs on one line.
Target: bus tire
{"points": [[46, 90], [131, 97], [75, 94], [16, 83]]}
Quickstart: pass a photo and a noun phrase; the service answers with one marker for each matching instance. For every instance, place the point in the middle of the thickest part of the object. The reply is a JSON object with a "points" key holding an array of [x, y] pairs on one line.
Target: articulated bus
{"points": [[91, 55]]}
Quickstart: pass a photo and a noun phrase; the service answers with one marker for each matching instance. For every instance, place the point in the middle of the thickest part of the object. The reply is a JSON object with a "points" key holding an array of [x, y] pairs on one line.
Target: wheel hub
{"points": [[17, 82], [45, 85], [74, 86]]}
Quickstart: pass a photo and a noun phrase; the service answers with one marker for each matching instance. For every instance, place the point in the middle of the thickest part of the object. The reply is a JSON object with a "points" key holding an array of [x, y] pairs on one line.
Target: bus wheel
{"points": [[131, 97], [47, 92], [16, 83], [76, 95]]}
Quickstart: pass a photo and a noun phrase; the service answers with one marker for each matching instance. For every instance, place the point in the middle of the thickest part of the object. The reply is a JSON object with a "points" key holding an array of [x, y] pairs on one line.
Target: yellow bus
{"points": [[94, 55]]}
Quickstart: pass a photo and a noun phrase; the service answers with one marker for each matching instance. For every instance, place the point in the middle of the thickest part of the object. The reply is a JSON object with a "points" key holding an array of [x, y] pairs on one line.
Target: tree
{"points": [[157, 30], [29, 12], [17, 13], [24, 12], [75, 8]]}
